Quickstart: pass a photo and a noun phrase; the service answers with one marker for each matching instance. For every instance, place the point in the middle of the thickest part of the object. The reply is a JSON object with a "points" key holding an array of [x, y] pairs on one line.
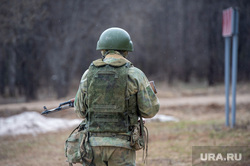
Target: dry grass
{"points": [[43, 149], [170, 143]]}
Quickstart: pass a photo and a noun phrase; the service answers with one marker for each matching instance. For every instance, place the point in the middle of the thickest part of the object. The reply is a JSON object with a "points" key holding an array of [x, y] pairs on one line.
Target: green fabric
{"points": [[107, 141], [77, 148], [106, 98], [113, 156], [140, 95], [72, 147]]}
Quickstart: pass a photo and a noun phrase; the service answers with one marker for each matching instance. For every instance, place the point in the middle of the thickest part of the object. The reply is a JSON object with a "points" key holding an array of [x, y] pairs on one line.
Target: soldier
{"points": [[112, 95]]}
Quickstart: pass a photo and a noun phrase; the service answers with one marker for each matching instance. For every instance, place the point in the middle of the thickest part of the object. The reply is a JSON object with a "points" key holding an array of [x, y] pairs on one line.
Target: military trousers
{"points": [[113, 156]]}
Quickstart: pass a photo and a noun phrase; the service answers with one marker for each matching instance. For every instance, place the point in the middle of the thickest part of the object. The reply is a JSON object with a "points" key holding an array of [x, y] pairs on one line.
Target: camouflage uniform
{"points": [[116, 150]]}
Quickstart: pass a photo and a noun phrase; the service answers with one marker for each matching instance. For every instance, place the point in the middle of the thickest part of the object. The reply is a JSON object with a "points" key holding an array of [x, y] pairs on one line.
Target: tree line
{"points": [[50, 43]]}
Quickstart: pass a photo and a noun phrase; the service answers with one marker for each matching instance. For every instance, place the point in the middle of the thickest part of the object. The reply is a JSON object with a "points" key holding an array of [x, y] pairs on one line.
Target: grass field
{"points": [[170, 143]]}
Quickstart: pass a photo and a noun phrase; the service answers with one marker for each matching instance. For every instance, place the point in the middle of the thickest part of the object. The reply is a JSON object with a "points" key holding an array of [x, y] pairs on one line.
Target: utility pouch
{"points": [[137, 142], [77, 147], [139, 138]]}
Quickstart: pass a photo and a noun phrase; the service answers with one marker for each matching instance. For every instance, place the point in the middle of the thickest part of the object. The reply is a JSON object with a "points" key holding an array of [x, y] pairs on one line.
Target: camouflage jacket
{"points": [[137, 84]]}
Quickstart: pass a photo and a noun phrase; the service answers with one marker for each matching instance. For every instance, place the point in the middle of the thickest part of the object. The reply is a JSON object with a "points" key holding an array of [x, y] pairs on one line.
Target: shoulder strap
{"points": [[144, 135]]}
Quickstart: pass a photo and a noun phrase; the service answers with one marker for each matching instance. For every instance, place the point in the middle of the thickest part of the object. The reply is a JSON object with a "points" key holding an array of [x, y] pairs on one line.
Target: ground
{"points": [[201, 123]]}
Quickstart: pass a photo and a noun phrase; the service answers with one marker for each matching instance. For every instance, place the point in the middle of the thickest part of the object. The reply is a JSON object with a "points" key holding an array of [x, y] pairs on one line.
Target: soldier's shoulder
{"points": [[135, 70], [84, 77], [137, 74]]}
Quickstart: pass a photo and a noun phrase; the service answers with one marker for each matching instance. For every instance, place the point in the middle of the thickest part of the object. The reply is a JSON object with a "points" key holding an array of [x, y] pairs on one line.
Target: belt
{"points": [[114, 135]]}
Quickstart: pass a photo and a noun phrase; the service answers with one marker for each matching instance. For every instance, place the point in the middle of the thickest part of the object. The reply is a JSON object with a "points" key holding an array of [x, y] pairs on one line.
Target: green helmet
{"points": [[115, 39]]}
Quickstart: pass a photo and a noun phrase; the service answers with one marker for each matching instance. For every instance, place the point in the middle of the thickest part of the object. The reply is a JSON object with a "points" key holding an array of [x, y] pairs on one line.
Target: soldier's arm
{"points": [[147, 101], [80, 99]]}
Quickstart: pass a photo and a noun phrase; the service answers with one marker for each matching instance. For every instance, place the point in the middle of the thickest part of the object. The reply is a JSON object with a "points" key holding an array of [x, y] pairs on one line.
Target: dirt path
{"points": [[201, 100], [10, 109], [31, 106]]}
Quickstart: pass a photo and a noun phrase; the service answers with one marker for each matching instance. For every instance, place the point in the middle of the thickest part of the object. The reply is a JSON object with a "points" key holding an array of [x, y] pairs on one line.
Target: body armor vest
{"points": [[106, 100]]}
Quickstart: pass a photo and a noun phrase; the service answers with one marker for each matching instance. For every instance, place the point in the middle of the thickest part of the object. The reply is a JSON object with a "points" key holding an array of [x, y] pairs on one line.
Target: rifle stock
{"points": [[152, 84]]}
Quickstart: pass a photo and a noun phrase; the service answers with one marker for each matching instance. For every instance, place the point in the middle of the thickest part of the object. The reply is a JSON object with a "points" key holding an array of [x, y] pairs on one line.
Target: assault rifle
{"points": [[70, 103], [62, 106]]}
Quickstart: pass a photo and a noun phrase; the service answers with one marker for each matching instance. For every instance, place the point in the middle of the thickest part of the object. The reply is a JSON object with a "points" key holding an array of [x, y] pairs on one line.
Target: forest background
{"points": [[49, 44]]}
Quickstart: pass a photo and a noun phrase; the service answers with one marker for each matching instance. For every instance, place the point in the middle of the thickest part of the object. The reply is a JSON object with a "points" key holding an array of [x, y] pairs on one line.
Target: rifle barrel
{"points": [[62, 106], [56, 109]]}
